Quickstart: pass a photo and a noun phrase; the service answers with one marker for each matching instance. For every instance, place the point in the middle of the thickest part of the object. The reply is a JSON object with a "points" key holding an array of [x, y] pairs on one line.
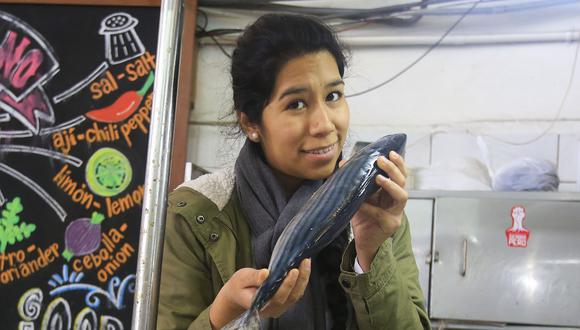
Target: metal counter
{"points": [[498, 258]]}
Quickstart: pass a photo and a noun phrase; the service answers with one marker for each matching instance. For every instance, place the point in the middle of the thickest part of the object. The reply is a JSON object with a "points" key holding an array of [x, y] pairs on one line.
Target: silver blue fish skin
{"points": [[327, 212], [324, 216]]}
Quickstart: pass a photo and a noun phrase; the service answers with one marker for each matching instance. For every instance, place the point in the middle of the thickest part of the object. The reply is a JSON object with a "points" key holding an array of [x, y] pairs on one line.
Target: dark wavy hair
{"points": [[265, 46]]}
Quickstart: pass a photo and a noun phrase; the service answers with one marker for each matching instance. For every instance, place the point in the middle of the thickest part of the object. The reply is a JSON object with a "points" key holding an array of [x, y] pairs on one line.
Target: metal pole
{"points": [[158, 164]]}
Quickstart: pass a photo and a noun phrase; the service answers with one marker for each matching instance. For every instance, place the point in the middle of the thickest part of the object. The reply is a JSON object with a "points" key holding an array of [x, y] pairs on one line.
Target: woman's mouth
{"points": [[323, 153], [322, 150]]}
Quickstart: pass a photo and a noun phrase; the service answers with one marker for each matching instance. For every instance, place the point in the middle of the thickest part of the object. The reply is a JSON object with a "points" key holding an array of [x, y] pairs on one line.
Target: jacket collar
{"points": [[217, 186]]}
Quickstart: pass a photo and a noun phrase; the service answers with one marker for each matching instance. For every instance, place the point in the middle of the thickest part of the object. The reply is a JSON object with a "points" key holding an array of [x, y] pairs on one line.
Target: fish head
{"points": [[392, 142], [383, 146], [365, 159]]}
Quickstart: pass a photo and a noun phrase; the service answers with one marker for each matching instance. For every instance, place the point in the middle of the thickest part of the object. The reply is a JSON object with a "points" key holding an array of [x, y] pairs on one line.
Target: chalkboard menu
{"points": [[75, 108]]}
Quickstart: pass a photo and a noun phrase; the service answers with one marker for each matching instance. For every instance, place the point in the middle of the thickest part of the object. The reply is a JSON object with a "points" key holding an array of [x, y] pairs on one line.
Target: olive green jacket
{"points": [[207, 239]]}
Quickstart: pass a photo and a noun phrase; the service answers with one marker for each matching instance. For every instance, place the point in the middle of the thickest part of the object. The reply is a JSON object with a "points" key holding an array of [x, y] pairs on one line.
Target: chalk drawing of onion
{"points": [[83, 236]]}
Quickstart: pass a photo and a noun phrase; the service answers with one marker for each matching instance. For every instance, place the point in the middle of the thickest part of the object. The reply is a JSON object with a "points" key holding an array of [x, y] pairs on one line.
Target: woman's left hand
{"points": [[380, 215]]}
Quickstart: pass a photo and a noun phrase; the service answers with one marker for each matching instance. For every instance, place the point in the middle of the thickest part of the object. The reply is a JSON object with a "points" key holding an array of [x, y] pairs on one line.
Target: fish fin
{"points": [[250, 320]]}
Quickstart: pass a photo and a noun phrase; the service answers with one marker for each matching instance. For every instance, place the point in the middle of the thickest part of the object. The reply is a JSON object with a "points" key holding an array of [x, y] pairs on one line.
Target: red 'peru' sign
{"points": [[517, 235]]}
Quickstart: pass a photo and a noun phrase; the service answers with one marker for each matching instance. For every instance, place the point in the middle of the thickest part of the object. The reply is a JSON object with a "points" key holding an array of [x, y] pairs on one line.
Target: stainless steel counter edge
{"points": [[524, 195]]}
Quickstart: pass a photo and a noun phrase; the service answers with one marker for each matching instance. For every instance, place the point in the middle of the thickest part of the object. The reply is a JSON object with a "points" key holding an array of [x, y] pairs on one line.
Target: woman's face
{"points": [[305, 123]]}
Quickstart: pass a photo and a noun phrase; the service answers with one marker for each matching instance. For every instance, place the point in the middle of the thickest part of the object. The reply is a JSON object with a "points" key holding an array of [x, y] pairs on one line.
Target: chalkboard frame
{"points": [[185, 85]]}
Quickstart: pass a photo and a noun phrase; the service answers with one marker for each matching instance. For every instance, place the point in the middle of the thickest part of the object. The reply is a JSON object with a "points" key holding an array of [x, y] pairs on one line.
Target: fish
{"points": [[321, 220]]}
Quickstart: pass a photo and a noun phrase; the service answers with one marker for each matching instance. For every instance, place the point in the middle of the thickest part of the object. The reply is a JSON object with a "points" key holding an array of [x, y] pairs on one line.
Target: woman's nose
{"points": [[320, 120]]}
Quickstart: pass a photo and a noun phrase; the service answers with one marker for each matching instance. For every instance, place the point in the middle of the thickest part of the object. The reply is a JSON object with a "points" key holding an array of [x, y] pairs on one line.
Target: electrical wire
{"points": [[308, 10], [413, 12], [221, 47], [392, 15], [386, 14], [558, 113], [217, 32], [269, 6], [501, 9], [393, 19], [328, 14], [324, 13], [429, 7], [206, 20], [412, 64], [365, 13], [203, 32], [350, 26]]}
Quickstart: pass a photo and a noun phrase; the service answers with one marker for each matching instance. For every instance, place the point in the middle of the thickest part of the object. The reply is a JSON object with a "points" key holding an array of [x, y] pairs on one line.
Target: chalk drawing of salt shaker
{"points": [[121, 40]]}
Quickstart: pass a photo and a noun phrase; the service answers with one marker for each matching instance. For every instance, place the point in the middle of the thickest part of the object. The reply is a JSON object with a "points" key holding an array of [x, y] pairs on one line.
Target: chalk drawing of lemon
{"points": [[108, 172]]}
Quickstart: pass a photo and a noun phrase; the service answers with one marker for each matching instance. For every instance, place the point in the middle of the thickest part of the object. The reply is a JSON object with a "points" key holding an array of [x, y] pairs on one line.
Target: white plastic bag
{"points": [[463, 173], [526, 174]]}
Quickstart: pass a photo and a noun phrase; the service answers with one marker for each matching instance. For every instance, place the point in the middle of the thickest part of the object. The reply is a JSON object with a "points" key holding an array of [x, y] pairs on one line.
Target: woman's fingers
{"points": [[290, 291], [286, 287], [392, 169], [398, 194], [248, 280], [399, 161], [239, 291], [386, 223], [261, 276], [301, 282]]}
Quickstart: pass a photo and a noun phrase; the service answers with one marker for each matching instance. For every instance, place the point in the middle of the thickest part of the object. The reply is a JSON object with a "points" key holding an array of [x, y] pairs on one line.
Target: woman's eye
{"points": [[297, 105], [334, 96]]}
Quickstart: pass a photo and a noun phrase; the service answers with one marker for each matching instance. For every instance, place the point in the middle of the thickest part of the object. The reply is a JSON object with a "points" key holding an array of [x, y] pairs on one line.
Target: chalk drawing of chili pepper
{"points": [[83, 236], [123, 107]]}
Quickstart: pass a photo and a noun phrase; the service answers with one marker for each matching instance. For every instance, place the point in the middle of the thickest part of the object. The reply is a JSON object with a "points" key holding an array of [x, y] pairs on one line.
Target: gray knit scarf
{"points": [[268, 211]]}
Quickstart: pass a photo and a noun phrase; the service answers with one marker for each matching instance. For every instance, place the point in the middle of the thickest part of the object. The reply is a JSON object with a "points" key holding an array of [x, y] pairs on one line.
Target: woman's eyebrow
{"points": [[293, 90], [302, 89], [335, 83]]}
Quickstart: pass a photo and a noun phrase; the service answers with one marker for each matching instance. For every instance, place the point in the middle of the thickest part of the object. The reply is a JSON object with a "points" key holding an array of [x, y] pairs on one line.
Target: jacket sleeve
{"points": [[389, 295], [185, 291]]}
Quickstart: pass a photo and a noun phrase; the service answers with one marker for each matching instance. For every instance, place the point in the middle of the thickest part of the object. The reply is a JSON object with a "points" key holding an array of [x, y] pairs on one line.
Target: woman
{"points": [[221, 228]]}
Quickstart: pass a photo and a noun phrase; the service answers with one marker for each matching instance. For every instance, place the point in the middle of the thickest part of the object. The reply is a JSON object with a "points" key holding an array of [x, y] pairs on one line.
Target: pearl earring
{"points": [[254, 136]]}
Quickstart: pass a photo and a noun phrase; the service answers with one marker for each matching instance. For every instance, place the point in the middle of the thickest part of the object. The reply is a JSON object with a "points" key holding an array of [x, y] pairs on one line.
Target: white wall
{"points": [[508, 94]]}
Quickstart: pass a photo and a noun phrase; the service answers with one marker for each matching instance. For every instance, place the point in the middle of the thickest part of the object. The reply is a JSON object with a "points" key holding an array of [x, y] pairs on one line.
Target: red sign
{"points": [[517, 236]]}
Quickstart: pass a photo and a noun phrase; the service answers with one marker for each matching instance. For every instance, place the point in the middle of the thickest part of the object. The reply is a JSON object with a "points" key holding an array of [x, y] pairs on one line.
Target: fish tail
{"points": [[250, 320]]}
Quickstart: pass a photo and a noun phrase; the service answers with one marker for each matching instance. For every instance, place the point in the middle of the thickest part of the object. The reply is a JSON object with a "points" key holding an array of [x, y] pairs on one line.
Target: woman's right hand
{"points": [[235, 297]]}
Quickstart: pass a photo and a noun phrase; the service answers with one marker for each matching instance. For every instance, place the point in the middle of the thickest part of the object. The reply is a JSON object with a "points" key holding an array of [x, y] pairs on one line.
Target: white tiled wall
{"points": [[568, 164], [211, 147], [447, 147]]}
